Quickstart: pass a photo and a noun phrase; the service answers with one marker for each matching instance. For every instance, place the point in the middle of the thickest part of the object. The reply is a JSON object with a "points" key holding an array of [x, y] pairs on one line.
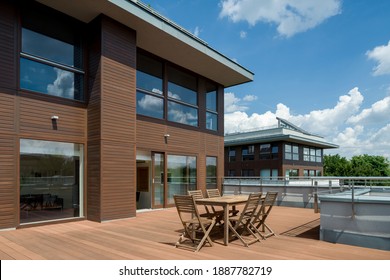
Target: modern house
{"points": [[283, 151], [106, 107]]}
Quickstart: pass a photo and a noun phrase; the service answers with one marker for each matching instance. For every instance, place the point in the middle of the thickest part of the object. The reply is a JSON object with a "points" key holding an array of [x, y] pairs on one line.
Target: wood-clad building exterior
{"points": [[282, 151], [106, 107]]}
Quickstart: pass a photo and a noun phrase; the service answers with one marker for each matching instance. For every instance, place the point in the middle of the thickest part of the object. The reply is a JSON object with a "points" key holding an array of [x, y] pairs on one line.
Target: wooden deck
{"points": [[152, 235]]}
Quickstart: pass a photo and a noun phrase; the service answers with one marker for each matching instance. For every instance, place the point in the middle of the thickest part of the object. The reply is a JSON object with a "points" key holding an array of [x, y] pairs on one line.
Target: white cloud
{"points": [[378, 112], [381, 55], [63, 85], [233, 103], [346, 124], [243, 34], [290, 16], [250, 98], [197, 31]]}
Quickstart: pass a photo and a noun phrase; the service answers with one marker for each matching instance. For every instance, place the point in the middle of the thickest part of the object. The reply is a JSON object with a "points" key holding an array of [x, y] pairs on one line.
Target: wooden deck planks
{"points": [[152, 235]]}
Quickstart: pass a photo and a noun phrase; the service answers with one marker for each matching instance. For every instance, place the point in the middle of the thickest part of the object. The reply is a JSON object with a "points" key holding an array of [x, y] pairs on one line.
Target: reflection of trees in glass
{"points": [[45, 166]]}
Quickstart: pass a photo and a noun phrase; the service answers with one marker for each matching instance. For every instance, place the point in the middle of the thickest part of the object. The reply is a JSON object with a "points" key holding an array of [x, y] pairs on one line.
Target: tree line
{"points": [[357, 166]]}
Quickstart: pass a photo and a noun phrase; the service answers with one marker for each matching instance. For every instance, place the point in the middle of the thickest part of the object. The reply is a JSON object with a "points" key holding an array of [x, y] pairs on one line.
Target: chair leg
{"points": [[239, 236]]}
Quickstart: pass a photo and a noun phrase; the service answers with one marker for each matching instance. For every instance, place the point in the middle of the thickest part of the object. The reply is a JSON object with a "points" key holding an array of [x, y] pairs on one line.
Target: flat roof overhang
{"points": [[160, 36], [275, 135]]}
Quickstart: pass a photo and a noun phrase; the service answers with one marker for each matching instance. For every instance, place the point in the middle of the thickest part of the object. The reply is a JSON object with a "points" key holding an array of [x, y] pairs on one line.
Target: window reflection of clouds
{"points": [[149, 82], [181, 93], [46, 79], [149, 105], [182, 114]]}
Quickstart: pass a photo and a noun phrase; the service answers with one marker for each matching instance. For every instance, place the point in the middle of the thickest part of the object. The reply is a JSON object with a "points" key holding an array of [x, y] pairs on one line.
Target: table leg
{"points": [[226, 225]]}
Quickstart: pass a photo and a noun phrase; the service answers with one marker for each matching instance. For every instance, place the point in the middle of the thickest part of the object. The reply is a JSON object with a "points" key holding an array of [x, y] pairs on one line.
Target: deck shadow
{"points": [[310, 230]]}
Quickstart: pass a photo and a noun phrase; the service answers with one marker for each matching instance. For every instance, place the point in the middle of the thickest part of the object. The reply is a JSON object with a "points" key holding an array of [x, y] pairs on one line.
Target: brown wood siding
{"points": [[8, 121], [8, 47], [94, 122], [111, 122], [7, 113], [35, 121], [8, 182]]}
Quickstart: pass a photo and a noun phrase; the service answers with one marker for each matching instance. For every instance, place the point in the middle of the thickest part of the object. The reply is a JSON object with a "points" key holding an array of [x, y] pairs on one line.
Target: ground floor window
{"points": [[181, 175], [211, 172], [292, 173], [51, 180]]}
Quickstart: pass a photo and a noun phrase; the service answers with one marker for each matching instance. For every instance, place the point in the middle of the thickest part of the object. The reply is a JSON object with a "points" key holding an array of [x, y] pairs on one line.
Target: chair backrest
{"points": [[265, 208], [197, 194], [251, 205], [213, 193], [185, 204], [269, 201]]}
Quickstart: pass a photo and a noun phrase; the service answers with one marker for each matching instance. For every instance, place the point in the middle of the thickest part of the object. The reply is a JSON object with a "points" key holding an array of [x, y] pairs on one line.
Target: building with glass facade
{"points": [[283, 151], [106, 107]]}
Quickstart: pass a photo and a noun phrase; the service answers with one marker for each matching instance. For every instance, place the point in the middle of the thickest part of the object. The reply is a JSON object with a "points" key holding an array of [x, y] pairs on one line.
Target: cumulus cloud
{"points": [[378, 112], [233, 103], [63, 85], [345, 124], [290, 16], [381, 55]]}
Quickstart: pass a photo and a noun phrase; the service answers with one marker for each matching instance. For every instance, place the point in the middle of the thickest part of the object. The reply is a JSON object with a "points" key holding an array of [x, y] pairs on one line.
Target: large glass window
{"points": [[312, 154], [182, 174], [248, 152], [50, 65], [291, 152], [211, 172], [232, 154], [150, 99], [183, 97], [51, 180], [211, 107]]}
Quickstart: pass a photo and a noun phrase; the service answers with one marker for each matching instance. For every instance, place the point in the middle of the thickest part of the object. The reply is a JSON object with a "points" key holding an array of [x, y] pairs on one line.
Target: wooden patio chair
{"points": [[216, 193], [259, 220], [198, 194], [241, 224], [196, 228]]}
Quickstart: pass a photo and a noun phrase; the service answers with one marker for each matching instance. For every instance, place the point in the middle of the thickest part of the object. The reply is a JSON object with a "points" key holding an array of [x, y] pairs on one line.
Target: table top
{"points": [[223, 200]]}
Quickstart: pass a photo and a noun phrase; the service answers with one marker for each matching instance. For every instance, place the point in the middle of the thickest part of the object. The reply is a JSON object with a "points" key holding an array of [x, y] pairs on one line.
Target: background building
{"points": [[285, 150], [105, 107]]}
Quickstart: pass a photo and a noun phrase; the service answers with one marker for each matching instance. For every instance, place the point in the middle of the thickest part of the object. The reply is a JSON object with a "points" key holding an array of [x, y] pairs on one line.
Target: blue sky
{"points": [[323, 65]]}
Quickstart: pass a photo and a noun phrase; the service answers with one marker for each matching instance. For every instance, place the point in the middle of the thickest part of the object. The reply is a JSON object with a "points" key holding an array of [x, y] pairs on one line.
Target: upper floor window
{"points": [[291, 152], [183, 97], [248, 152], [268, 151], [150, 99], [312, 154], [211, 107], [51, 63], [232, 154]]}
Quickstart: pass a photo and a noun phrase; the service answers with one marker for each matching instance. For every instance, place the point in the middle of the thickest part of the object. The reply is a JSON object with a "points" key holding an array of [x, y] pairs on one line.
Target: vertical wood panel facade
{"points": [[8, 122], [111, 122], [106, 123]]}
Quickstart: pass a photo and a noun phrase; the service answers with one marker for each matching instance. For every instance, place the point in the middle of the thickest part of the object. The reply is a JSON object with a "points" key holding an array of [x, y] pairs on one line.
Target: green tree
{"points": [[335, 165], [359, 166]]}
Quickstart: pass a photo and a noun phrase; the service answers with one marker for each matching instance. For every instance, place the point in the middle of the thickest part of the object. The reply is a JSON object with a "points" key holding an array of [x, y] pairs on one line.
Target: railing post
{"points": [[353, 199]]}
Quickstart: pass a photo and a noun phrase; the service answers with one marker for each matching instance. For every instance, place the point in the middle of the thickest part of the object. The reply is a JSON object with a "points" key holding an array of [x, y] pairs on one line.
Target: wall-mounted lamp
{"points": [[54, 120], [166, 138]]}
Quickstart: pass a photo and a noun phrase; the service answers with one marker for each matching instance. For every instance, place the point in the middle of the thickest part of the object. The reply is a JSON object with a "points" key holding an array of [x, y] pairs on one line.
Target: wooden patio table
{"points": [[226, 202]]}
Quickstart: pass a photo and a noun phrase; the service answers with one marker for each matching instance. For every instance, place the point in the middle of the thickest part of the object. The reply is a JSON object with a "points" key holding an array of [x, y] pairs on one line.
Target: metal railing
{"points": [[307, 189]]}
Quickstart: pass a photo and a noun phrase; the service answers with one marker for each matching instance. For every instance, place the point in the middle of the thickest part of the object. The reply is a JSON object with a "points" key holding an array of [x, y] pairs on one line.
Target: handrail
{"points": [[320, 185]]}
